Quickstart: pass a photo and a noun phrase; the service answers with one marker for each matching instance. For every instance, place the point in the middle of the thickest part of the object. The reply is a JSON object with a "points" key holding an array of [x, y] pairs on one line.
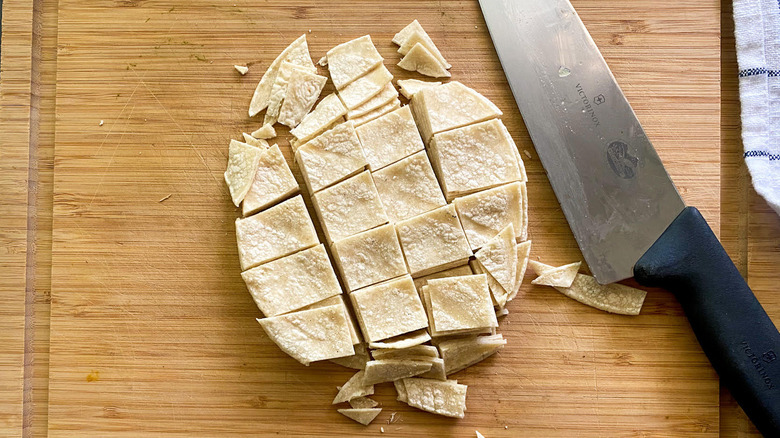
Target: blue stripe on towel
{"points": [[759, 71], [772, 157]]}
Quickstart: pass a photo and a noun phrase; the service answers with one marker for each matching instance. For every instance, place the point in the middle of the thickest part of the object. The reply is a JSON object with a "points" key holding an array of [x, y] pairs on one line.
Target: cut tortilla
{"points": [[276, 232], [365, 87], [357, 361], [485, 214], [389, 309], [279, 89], [389, 370], [390, 138], [433, 241], [273, 182], [403, 341], [461, 353], [613, 298], [417, 351], [241, 69], [256, 142], [473, 158], [328, 111], [502, 312], [379, 112], [562, 276], [243, 160], [339, 300], [349, 207], [418, 36], [459, 304], [400, 389], [414, 33], [292, 282], [499, 257], [439, 397], [408, 187], [409, 87], [330, 157], [311, 335], [421, 60], [362, 416], [265, 132], [387, 94], [448, 106], [370, 257], [297, 52], [523, 255], [354, 388], [302, 91], [363, 403], [351, 60], [497, 293]]}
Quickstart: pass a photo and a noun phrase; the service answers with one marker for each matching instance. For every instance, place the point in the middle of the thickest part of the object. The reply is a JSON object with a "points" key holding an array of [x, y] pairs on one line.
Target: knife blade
{"points": [[621, 205]]}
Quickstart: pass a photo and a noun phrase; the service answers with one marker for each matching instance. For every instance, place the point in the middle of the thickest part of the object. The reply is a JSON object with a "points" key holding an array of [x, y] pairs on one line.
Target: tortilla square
{"points": [[354, 388], [390, 138], [389, 309], [302, 91], [292, 282], [328, 111], [365, 87], [273, 182], [461, 303], [499, 257], [408, 187], [369, 257], [311, 335], [389, 370], [298, 53], [280, 230], [613, 298], [436, 396], [461, 353], [351, 60], [484, 214], [363, 416], [330, 157], [421, 60], [474, 158], [457, 271], [349, 207], [449, 106], [241, 167], [409, 87], [406, 340], [433, 241]]}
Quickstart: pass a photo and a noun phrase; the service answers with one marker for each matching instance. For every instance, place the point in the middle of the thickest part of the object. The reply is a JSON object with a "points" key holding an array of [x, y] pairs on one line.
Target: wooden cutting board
{"points": [[152, 329]]}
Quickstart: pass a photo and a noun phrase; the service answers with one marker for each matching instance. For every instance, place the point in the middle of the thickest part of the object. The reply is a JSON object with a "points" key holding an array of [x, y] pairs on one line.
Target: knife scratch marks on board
{"points": [[113, 154], [184, 134]]}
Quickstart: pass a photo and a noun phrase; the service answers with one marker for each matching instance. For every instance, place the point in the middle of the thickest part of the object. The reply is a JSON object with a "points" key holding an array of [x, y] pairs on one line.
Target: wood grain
{"points": [[152, 329], [15, 103]]}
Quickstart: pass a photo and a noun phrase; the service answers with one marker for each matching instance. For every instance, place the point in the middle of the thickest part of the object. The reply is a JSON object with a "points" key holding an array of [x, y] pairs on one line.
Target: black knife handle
{"points": [[733, 329]]}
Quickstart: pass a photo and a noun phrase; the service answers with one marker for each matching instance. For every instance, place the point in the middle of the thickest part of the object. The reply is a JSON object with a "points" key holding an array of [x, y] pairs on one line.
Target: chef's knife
{"points": [[622, 206]]}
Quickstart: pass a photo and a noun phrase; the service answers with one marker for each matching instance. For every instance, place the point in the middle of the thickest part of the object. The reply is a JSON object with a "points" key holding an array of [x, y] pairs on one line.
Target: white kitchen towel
{"points": [[757, 31]]}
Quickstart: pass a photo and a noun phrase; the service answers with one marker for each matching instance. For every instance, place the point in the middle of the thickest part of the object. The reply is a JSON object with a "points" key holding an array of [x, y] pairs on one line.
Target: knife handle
{"points": [[733, 329]]}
